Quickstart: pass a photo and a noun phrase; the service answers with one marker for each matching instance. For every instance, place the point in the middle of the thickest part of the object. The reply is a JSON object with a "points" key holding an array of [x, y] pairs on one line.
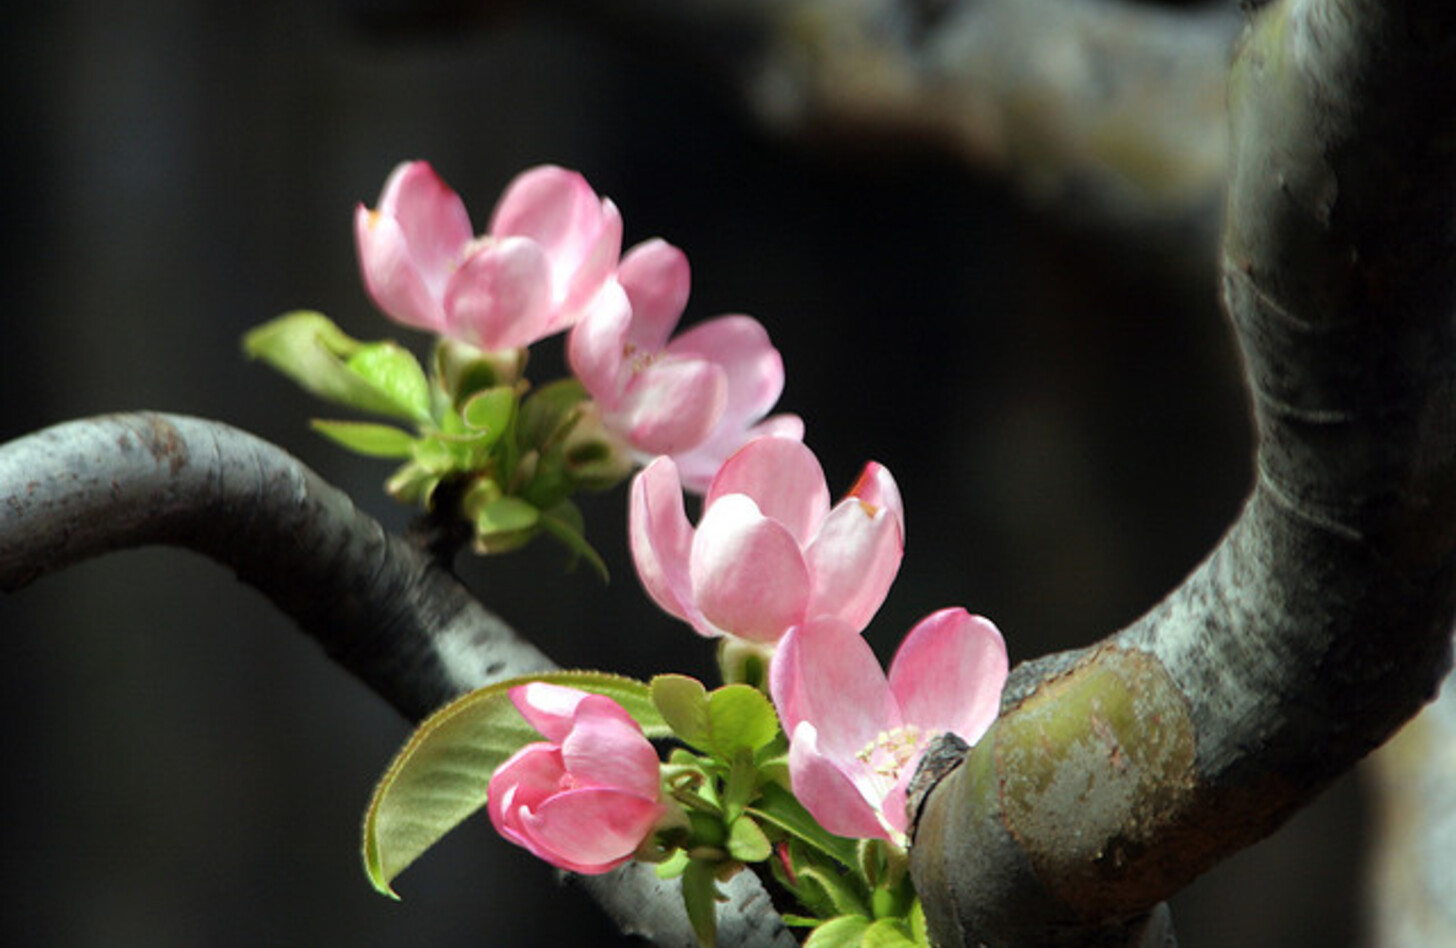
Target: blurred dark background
{"points": [[1061, 408]]}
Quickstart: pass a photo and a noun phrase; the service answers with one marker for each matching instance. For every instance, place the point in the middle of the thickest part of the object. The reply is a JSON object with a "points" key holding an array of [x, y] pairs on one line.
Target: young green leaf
{"points": [[394, 371], [747, 842], [363, 437], [846, 931], [700, 898], [888, 933], [313, 352], [683, 703], [779, 807], [740, 717], [491, 411], [439, 777]]}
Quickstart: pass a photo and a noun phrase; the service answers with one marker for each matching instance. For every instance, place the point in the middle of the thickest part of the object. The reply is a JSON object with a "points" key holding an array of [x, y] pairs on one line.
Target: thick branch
{"points": [[1322, 622], [381, 607]]}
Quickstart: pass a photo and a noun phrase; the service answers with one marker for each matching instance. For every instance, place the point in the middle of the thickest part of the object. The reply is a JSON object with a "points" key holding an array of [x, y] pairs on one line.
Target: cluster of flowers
{"points": [[551, 261], [785, 579]]}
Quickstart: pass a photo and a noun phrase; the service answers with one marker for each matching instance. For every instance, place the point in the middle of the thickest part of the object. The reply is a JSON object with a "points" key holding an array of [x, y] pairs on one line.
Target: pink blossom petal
{"points": [[592, 273], [741, 346], [431, 217], [854, 558], [606, 748], [591, 830], [662, 539], [672, 406], [595, 350], [501, 296], [526, 779], [580, 232], [550, 205], [698, 466], [894, 805], [949, 672], [825, 673], [548, 708], [749, 578], [877, 488], [656, 277], [827, 792], [783, 477], [391, 274]]}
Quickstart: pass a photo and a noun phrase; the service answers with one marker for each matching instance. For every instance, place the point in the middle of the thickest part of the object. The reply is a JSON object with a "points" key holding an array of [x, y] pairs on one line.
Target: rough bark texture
{"points": [[1322, 621], [383, 608]]}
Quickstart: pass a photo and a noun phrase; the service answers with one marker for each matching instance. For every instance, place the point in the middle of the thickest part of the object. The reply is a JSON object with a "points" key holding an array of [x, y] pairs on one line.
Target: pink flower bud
{"points": [[587, 797]]}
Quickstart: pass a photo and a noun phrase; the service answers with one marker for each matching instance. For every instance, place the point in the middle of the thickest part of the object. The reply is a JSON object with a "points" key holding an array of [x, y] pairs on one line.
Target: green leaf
{"points": [[888, 933], [700, 898], [394, 371], [308, 348], [740, 717], [846, 931], [491, 411], [918, 928], [683, 703], [837, 890], [778, 806], [506, 515], [362, 437], [439, 777], [747, 842], [564, 522]]}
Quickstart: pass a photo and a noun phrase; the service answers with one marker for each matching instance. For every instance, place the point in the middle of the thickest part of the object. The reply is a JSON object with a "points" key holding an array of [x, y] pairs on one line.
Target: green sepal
{"points": [[394, 371], [700, 898], [747, 842], [846, 931], [565, 523], [439, 778], [368, 438], [308, 348], [506, 515]]}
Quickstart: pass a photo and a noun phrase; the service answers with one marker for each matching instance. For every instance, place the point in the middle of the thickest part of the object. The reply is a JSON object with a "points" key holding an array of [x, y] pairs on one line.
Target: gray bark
{"points": [[1322, 621], [385, 609]]}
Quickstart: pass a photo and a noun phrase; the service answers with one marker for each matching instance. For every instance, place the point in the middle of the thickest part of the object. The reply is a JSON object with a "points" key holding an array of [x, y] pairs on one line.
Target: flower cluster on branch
{"points": [[800, 760]]}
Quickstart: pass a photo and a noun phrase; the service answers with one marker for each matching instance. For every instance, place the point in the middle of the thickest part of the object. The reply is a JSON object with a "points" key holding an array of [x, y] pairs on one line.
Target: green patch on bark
{"points": [[1089, 768]]}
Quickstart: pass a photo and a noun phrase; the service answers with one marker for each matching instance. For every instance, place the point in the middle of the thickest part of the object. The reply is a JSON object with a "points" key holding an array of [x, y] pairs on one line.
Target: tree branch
{"points": [[1110, 111], [1323, 619], [384, 609]]}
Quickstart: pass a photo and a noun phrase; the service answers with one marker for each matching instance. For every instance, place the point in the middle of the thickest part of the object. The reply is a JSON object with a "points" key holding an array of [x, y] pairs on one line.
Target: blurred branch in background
{"points": [[1108, 112]]}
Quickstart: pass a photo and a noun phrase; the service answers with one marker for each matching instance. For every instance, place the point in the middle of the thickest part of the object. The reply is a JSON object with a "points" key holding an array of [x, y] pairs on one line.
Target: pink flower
{"points": [[548, 259], [697, 398], [768, 552], [856, 736], [585, 798]]}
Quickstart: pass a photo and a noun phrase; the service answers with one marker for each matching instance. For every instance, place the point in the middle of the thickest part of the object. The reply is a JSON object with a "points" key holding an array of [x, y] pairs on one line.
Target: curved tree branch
{"points": [[384, 609], [1323, 620]]}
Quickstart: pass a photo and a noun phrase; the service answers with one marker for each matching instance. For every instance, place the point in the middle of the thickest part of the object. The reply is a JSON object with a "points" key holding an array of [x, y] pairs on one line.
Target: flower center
{"points": [[638, 360], [891, 751]]}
